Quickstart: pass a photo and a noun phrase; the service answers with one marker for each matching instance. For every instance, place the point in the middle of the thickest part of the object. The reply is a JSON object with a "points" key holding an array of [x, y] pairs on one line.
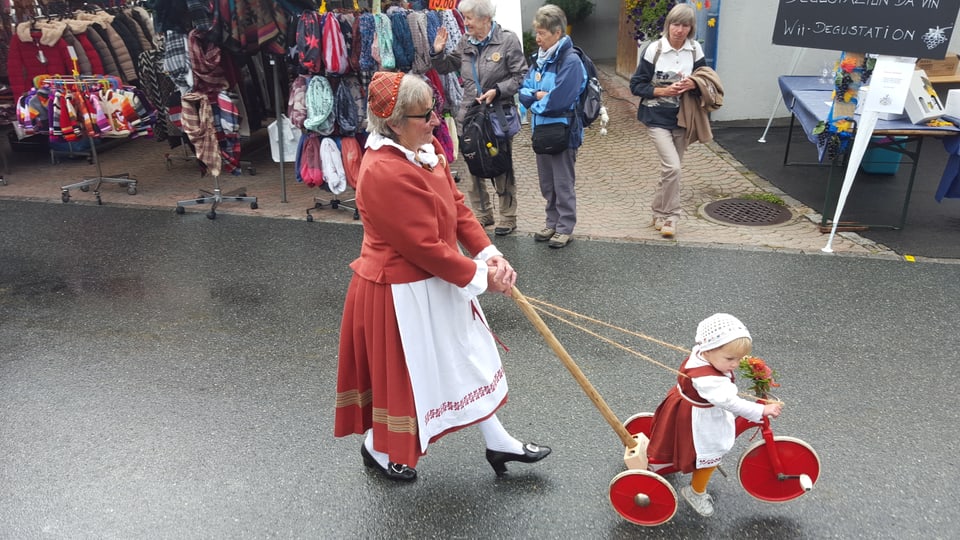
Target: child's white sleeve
{"points": [[721, 392]]}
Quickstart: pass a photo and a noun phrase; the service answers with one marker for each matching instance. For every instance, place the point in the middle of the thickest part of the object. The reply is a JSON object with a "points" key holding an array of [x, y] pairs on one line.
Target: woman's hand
{"points": [[440, 41], [540, 95], [488, 96], [675, 88], [501, 277]]}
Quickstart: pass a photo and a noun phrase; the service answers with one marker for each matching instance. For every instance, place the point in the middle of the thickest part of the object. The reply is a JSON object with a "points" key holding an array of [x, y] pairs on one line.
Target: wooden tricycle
{"points": [[772, 469]]}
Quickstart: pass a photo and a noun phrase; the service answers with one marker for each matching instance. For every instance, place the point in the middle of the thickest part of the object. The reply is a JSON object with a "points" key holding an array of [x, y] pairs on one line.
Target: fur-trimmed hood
{"points": [[50, 31]]}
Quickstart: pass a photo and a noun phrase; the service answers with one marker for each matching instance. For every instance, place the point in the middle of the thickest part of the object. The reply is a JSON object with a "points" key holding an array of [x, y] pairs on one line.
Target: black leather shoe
{"points": [[394, 471], [503, 231], [531, 454]]}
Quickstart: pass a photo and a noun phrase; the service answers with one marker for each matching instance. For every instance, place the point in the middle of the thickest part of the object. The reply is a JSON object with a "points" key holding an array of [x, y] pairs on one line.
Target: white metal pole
{"points": [[793, 67]]}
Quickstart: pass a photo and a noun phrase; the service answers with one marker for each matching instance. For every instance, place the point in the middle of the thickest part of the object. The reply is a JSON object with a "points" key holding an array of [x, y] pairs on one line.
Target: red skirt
{"points": [[373, 385], [671, 434]]}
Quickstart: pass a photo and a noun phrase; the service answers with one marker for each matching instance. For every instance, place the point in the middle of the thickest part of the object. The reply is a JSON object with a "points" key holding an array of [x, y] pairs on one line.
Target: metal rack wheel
{"points": [[757, 476], [84, 188], [131, 189], [639, 423], [643, 497], [252, 171], [254, 205], [180, 210], [65, 196], [211, 215]]}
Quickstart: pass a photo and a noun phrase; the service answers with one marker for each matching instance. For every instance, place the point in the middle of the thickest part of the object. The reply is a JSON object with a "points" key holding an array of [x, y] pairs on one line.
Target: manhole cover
{"points": [[747, 212]]}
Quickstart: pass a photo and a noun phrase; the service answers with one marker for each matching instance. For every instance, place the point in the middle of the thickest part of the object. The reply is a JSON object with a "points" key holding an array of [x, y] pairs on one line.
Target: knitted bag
{"points": [[334, 46]]}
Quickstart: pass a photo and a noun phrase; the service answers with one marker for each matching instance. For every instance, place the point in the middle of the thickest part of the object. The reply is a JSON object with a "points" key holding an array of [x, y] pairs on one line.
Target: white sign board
{"points": [[889, 84]]}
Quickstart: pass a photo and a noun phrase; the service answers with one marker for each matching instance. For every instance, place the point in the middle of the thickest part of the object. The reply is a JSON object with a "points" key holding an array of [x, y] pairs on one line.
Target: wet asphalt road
{"points": [[167, 376]]}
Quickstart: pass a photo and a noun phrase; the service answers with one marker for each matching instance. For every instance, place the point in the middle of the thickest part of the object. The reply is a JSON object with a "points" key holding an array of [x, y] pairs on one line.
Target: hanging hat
{"points": [[719, 329], [382, 95]]}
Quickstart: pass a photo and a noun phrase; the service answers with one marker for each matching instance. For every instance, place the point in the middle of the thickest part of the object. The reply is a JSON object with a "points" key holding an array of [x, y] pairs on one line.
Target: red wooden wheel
{"points": [[758, 478], [643, 497], [639, 423]]}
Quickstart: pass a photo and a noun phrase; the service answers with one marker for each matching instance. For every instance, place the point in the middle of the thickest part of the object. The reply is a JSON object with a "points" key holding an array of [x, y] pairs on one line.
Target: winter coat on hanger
{"points": [[104, 22], [37, 48], [107, 59], [79, 30]]}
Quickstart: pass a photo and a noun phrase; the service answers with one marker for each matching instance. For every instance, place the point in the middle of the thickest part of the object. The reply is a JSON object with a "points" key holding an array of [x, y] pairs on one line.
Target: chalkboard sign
{"points": [[918, 28]]}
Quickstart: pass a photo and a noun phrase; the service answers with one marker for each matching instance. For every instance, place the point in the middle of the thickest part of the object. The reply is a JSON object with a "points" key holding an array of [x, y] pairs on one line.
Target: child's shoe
{"points": [[701, 502]]}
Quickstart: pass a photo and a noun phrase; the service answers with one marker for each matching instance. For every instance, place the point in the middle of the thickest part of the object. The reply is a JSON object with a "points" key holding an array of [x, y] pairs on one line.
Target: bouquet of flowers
{"points": [[760, 373]]}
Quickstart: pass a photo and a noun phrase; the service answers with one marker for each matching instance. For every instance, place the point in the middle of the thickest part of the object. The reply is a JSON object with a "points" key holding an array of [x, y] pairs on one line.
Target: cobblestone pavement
{"points": [[616, 176]]}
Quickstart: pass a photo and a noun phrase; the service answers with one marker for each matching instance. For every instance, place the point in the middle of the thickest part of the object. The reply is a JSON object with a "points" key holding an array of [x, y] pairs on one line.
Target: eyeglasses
{"points": [[427, 116]]}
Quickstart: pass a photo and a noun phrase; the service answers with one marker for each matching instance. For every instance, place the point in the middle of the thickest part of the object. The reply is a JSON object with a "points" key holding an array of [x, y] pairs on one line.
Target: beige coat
{"points": [[695, 107]]}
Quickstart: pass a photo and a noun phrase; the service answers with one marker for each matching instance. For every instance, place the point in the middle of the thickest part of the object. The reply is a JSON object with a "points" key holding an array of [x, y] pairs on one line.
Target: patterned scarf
{"points": [[209, 77], [417, 21], [320, 117], [384, 42]]}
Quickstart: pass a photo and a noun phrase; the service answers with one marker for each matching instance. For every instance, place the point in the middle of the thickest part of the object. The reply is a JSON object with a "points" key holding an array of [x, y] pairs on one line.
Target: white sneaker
{"points": [[701, 502], [669, 227], [658, 222]]}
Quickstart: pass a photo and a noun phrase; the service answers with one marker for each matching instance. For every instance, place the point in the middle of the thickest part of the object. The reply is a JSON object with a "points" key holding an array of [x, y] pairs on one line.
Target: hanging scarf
{"points": [[320, 117], [333, 173], [196, 117], [417, 21], [334, 46], [309, 35], [383, 42], [403, 49], [209, 77], [367, 26]]}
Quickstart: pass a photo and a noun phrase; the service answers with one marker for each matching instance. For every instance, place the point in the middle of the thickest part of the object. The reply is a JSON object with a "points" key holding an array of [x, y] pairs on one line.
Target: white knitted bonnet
{"points": [[719, 329]]}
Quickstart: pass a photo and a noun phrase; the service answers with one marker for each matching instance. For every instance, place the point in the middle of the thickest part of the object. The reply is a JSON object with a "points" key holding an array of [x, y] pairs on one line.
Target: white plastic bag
{"points": [[291, 139]]}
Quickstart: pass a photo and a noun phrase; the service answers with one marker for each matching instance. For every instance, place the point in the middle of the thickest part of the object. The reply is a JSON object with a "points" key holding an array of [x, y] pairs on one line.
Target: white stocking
{"points": [[497, 437], [382, 459]]}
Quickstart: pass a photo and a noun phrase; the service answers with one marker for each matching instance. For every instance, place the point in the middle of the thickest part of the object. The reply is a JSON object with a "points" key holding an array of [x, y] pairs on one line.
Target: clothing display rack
{"points": [[215, 197], [123, 179], [84, 128]]}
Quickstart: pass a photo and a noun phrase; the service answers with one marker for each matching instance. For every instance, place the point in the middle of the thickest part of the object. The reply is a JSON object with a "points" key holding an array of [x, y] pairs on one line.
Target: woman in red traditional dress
{"points": [[694, 425], [417, 359]]}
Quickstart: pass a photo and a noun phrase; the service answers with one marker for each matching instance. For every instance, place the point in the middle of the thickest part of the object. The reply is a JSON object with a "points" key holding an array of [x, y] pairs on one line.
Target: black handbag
{"points": [[551, 138]]}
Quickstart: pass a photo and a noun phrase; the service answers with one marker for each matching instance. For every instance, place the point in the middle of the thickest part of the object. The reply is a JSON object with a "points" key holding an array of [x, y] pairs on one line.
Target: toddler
{"points": [[694, 425]]}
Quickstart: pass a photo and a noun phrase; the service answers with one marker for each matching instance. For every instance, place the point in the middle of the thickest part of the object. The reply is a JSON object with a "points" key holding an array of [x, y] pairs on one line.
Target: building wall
{"points": [[747, 61]]}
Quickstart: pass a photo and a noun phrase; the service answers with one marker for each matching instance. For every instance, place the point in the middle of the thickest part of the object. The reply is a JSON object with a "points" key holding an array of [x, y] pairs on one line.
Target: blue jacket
{"points": [[564, 78]]}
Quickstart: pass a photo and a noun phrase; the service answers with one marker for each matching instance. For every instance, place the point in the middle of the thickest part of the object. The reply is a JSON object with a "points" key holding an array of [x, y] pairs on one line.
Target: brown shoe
{"points": [[485, 221], [504, 230], [559, 240], [544, 234]]}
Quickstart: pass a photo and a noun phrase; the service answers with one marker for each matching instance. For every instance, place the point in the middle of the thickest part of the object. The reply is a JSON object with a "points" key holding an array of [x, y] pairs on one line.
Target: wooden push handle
{"points": [[554, 343]]}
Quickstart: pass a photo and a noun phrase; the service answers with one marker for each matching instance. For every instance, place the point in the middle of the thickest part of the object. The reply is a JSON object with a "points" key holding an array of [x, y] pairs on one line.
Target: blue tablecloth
{"points": [[809, 101]]}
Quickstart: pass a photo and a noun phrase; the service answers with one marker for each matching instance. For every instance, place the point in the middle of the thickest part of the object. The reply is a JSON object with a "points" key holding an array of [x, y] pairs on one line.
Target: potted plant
{"points": [[647, 17], [575, 10]]}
